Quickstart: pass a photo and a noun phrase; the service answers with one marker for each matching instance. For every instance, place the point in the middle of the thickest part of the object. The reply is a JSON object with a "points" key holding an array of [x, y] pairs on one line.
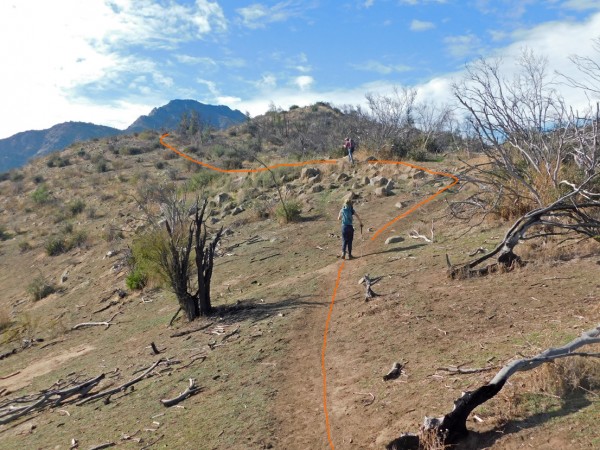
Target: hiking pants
{"points": [[350, 156], [347, 236]]}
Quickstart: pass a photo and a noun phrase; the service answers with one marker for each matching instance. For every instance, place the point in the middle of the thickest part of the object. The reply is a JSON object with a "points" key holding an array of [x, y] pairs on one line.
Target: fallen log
{"points": [[452, 428], [122, 387], [191, 390]]}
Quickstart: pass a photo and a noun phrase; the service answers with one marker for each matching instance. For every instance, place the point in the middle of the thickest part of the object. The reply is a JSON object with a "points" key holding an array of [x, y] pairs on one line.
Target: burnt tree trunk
{"points": [[175, 260], [452, 427], [204, 261]]}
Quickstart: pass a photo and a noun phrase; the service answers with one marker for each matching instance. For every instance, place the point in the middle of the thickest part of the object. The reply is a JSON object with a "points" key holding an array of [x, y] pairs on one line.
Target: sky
{"points": [[110, 61]]}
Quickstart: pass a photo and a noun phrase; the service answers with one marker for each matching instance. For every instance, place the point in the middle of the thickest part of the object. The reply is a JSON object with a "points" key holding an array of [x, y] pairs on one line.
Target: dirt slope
{"points": [[262, 380]]}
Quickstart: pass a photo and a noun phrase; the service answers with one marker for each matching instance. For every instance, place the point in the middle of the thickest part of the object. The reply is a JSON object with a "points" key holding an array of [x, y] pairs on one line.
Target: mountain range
{"points": [[16, 150]]}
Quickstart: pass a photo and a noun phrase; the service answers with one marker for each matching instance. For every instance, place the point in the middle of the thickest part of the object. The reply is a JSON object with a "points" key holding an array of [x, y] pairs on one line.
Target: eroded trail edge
{"points": [[339, 273]]}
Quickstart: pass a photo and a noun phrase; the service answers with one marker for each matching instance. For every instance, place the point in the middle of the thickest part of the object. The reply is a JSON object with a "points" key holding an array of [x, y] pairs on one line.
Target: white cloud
{"points": [[419, 25], [378, 67], [61, 51], [462, 46], [368, 3], [304, 82], [258, 15], [421, 2], [581, 5], [196, 60]]}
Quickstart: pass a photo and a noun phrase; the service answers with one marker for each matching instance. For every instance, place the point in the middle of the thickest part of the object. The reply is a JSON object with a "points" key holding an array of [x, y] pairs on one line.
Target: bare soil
{"points": [[262, 385]]}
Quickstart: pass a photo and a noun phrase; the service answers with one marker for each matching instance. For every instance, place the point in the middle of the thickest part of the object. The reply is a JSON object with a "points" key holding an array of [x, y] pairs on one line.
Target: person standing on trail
{"points": [[349, 146], [345, 216]]}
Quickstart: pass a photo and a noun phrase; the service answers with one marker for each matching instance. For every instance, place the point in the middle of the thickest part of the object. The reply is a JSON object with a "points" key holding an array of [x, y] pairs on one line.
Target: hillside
{"points": [[258, 359], [19, 148]]}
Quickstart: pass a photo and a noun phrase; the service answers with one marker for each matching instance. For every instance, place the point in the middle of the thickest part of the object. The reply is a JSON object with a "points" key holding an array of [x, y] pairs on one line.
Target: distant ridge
{"points": [[167, 117], [16, 150]]}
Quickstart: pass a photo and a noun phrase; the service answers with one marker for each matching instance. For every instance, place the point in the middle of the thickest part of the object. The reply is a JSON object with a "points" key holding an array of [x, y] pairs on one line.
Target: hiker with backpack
{"points": [[345, 216], [349, 146]]}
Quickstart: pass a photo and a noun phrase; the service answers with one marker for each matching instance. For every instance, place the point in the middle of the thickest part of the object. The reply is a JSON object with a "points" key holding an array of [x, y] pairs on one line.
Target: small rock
{"points": [[316, 179], [382, 192], [394, 239], [221, 198], [309, 172], [402, 204], [419, 174], [213, 220], [237, 210], [65, 276], [111, 253], [371, 158], [365, 180], [390, 185], [316, 188], [342, 177], [378, 181], [350, 196]]}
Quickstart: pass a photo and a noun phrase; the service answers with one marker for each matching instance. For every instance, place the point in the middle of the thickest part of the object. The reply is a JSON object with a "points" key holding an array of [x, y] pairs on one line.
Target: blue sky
{"points": [[109, 61]]}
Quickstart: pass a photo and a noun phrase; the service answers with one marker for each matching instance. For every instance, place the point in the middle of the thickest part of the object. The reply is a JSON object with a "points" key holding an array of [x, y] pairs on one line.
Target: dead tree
{"points": [[536, 148], [575, 212], [174, 260], [452, 427]]}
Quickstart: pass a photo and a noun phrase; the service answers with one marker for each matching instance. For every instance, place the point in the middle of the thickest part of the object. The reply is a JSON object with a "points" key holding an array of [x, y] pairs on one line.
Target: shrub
{"points": [[101, 165], [4, 176], [159, 165], [41, 195], [294, 107], [130, 151], [24, 246], [113, 234], [5, 321], [37, 179], [40, 288], [76, 207], [79, 239], [55, 246], [15, 175], [293, 207], [58, 161], [136, 280], [4, 235], [418, 154], [201, 180]]}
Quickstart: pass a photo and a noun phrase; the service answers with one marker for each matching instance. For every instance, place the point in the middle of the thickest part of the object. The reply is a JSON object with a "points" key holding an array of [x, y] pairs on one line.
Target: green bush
{"points": [[37, 179], [101, 165], [58, 161], [201, 180], [40, 288], [418, 154], [24, 246], [159, 165], [15, 175], [76, 207], [41, 195], [293, 207], [136, 279], [4, 235], [55, 246]]}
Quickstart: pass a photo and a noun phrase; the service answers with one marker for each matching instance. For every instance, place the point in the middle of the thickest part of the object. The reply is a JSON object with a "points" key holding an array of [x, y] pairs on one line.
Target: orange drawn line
{"points": [[337, 281], [422, 202], [323, 370], [260, 169]]}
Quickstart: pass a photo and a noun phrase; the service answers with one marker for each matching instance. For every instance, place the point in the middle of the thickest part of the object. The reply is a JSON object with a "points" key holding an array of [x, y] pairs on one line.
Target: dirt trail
{"points": [[23, 377], [299, 404]]}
